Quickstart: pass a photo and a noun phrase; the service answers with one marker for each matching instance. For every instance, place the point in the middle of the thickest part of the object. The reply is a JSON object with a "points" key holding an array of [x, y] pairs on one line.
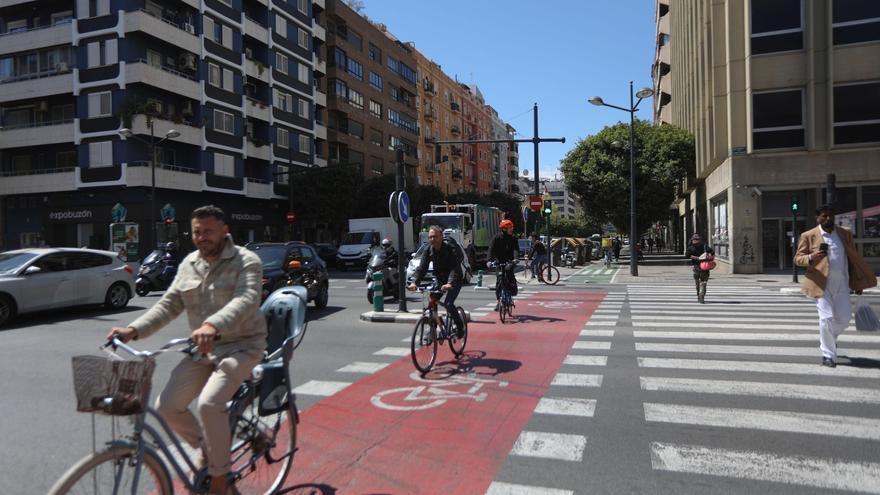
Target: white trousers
{"points": [[834, 314]]}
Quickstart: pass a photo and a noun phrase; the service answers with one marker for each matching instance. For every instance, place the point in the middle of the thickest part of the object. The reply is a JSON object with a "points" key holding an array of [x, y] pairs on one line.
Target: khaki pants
{"points": [[213, 384]]}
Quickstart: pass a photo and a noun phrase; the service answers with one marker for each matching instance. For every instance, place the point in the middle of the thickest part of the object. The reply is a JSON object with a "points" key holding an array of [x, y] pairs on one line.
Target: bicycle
{"points": [[506, 306], [548, 274], [263, 419], [426, 337]]}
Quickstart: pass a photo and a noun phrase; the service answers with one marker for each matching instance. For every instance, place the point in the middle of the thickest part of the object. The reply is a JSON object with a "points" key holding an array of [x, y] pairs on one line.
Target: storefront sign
{"points": [[246, 217], [71, 215]]}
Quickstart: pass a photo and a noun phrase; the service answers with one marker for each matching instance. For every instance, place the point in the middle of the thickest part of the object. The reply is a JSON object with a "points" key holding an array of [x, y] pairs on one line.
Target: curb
{"points": [[395, 317]]}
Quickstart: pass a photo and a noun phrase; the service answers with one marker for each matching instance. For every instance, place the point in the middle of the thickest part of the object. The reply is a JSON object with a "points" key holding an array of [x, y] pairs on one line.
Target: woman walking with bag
{"points": [[702, 258]]}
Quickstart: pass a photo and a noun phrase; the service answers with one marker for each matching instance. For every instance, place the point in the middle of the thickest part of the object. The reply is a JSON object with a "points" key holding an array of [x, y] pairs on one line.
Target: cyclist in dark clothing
{"points": [[504, 249], [538, 254], [447, 272], [390, 254]]}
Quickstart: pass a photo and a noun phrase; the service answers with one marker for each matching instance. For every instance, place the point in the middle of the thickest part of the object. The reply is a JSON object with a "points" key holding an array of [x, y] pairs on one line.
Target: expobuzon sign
{"points": [[70, 215], [246, 217]]}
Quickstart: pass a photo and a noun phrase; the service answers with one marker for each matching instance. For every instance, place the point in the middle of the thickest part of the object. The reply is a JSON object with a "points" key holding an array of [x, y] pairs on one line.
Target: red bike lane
{"points": [[395, 432]]}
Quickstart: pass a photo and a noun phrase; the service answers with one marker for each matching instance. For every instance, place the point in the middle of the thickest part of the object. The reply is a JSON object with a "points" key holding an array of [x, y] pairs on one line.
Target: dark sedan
{"points": [[293, 263]]}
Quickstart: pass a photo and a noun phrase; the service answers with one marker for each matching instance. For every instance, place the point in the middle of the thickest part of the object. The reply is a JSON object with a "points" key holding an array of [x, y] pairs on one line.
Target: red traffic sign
{"points": [[535, 203], [291, 216]]}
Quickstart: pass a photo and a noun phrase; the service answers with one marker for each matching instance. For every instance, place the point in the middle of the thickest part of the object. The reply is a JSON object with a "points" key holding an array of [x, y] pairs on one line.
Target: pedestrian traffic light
{"points": [[548, 207], [795, 204]]}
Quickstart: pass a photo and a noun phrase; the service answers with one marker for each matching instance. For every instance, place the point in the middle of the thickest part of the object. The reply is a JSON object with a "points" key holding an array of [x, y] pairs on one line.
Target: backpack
{"points": [[456, 248]]}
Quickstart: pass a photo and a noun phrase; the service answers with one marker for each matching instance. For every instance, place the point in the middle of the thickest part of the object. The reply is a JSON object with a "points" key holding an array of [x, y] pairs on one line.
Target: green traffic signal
{"points": [[548, 207], [795, 203]]}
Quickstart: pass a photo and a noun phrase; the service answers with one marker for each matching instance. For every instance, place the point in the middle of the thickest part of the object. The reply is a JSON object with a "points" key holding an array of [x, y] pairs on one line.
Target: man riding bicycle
{"points": [[538, 255], [219, 287], [504, 249], [447, 272]]}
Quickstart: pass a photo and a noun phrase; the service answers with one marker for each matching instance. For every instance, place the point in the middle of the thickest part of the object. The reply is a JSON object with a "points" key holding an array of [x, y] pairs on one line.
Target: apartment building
{"points": [[566, 204], [779, 94], [438, 123], [219, 94], [476, 124], [500, 161], [372, 89]]}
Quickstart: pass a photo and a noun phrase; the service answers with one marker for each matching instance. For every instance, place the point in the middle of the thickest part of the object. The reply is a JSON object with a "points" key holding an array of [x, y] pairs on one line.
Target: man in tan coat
{"points": [[834, 267]]}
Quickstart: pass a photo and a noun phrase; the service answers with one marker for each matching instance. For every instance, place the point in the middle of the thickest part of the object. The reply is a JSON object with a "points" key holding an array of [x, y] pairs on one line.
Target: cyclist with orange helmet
{"points": [[505, 249]]}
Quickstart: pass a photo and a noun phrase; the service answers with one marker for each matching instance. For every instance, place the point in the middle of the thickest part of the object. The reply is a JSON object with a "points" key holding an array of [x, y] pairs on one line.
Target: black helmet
{"points": [[386, 242]]}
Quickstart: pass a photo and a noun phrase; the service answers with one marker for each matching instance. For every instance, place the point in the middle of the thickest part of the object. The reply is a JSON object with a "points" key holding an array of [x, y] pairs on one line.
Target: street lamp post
{"points": [[170, 134], [633, 107]]}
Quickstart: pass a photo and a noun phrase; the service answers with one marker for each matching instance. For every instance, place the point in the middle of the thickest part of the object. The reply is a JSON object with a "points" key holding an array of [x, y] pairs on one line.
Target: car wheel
{"points": [[323, 296], [7, 309], [117, 296]]}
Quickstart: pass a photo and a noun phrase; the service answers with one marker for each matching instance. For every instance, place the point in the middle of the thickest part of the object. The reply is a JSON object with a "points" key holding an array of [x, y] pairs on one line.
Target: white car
{"points": [[416, 258], [48, 278]]}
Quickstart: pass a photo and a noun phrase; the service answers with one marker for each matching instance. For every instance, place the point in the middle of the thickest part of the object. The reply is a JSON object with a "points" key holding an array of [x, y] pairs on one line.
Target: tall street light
{"points": [[633, 107], [171, 134]]}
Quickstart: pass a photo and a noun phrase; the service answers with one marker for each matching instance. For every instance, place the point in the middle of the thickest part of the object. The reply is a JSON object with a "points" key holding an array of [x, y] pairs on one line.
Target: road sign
{"points": [[291, 216], [393, 208], [525, 214], [535, 203], [403, 206]]}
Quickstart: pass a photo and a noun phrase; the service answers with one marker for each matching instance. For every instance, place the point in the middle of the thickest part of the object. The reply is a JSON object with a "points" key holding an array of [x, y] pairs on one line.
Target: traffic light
{"points": [[795, 204], [548, 207]]}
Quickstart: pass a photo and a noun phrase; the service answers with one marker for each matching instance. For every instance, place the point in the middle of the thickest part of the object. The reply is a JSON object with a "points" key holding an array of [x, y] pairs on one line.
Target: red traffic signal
{"points": [[167, 220], [291, 216]]}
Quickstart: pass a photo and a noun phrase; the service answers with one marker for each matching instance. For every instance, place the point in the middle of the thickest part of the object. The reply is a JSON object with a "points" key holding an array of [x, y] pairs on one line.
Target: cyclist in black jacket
{"points": [[504, 249], [447, 272]]}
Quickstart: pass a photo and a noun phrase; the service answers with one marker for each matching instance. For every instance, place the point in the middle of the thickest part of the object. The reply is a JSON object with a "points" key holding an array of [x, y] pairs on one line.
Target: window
{"points": [[355, 129], [154, 58], [778, 119], [87, 260], [100, 104], [305, 144], [376, 109], [408, 147], [355, 99], [339, 58], [55, 262], [283, 101], [302, 108], [281, 25], [281, 63], [375, 81], [303, 38], [857, 113], [355, 39], [871, 212], [855, 21], [376, 137], [338, 88], [215, 75], [65, 159], [376, 165], [224, 164], [302, 6], [303, 73], [375, 53], [720, 238], [95, 8], [777, 26], [101, 154], [281, 174], [402, 121], [282, 138], [224, 122], [101, 53], [355, 69]]}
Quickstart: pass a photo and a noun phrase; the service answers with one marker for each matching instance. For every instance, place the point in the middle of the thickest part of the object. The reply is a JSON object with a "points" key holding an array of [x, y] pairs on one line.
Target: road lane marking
{"points": [[556, 446], [745, 326], [743, 349], [754, 419], [762, 389], [757, 367], [570, 406], [601, 323], [362, 367], [585, 360], [320, 388], [800, 336], [576, 380], [763, 466], [498, 488], [393, 351], [591, 332], [596, 346], [805, 322]]}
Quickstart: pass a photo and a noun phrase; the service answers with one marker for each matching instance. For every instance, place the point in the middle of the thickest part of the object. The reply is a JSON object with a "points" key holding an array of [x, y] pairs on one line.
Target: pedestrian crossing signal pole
{"points": [[795, 206]]}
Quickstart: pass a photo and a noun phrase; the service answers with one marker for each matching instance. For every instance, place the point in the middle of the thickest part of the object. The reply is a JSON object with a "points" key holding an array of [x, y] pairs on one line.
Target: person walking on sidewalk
{"points": [[834, 267], [701, 277]]}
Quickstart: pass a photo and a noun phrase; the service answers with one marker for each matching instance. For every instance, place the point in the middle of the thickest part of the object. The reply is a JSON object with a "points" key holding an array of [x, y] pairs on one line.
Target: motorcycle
{"points": [[156, 272], [390, 276], [568, 259]]}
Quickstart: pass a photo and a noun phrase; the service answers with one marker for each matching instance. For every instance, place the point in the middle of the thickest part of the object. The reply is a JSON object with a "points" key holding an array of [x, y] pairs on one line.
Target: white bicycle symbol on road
{"points": [[556, 304], [433, 394]]}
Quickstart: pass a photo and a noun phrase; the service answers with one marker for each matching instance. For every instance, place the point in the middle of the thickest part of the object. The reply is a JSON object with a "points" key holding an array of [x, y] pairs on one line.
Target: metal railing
{"points": [[33, 75], [178, 25], [36, 28], [40, 171], [164, 166], [258, 181], [30, 125], [163, 67]]}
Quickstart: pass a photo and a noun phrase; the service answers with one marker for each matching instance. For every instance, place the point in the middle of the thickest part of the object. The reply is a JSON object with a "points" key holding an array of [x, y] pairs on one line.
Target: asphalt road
{"points": [[597, 388]]}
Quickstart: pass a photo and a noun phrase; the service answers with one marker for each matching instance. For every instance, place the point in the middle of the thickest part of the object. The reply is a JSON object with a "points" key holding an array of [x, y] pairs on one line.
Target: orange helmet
{"points": [[505, 224]]}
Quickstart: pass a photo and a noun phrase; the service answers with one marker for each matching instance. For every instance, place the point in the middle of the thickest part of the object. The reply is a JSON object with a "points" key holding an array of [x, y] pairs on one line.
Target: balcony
{"points": [[257, 109], [456, 151], [189, 133], [455, 107], [430, 115], [320, 162], [259, 149], [320, 98], [663, 25], [38, 133], [253, 29], [320, 131], [38, 181], [457, 174], [258, 188], [182, 35], [429, 87], [664, 54], [36, 38], [164, 77], [257, 70], [167, 176], [455, 130], [319, 3], [37, 85], [319, 32], [319, 63]]}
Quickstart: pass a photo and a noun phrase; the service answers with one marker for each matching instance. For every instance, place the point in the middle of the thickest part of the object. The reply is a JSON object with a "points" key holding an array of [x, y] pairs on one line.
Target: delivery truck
{"points": [[364, 234]]}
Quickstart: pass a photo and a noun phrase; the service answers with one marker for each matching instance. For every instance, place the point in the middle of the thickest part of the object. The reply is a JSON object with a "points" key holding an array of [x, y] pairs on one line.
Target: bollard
{"points": [[378, 296], [479, 278]]}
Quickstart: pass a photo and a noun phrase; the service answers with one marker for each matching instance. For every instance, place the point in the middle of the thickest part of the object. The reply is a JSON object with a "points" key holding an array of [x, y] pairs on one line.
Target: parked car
{"points": [[293, 263], [48, 278], [326, 252]]}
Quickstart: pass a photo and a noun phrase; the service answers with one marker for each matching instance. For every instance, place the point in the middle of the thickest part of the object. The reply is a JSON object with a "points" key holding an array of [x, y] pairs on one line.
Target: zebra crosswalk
{"points": [[727, 374]]}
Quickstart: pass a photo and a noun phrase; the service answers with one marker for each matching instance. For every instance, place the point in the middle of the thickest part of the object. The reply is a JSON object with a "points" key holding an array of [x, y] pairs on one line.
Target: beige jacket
{"points": [[861, 275], [225, 294]]}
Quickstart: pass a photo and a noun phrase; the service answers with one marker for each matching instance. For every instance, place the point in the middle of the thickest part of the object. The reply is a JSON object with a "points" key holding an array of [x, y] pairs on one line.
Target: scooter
{"points": [[568, 259], [390, 276], [156, 273]]}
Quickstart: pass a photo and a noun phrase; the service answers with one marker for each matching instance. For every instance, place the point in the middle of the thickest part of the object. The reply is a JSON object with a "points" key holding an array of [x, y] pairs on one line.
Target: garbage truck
{"points": [[472, 226]]}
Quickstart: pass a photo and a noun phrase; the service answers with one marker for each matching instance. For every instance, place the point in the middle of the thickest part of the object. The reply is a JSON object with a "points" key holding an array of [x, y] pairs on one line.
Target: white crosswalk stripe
{"points": [[748, 361]]}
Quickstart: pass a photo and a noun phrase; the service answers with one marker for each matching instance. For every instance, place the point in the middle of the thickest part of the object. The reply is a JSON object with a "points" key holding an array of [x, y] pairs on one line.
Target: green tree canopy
{"points": [[326, 194], [599, 172]]}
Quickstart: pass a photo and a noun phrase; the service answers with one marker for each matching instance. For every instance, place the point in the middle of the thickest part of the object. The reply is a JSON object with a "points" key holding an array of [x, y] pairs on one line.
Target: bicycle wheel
{"points": [[263, 448], [112, 471], [550, 274], [423, 347], [509, 307], [456, 344]]}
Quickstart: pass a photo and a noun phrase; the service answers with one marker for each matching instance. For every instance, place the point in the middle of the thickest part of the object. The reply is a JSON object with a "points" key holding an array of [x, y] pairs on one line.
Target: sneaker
{"points": [[827, 361], [497, 305]]}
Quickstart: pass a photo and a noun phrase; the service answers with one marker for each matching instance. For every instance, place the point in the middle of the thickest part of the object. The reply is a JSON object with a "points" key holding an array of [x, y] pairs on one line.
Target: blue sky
{"points": [[557, 53]]}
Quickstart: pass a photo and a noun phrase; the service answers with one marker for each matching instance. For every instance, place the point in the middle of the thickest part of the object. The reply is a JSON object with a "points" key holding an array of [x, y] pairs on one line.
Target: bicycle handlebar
{"points": [[116, 343]]}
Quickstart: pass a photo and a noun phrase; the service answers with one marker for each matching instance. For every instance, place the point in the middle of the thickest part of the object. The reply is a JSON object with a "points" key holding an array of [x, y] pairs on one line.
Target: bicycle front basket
{"points": [[125, 383]]}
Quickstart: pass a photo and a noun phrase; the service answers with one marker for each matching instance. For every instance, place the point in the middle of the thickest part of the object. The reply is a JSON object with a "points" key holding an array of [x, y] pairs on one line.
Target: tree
{"points": [[326, 194], [599, 172], [355, 5]]}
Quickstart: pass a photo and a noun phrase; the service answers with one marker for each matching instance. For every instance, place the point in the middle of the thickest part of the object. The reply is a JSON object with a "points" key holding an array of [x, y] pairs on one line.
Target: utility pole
{"points": [[401, 265]]}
